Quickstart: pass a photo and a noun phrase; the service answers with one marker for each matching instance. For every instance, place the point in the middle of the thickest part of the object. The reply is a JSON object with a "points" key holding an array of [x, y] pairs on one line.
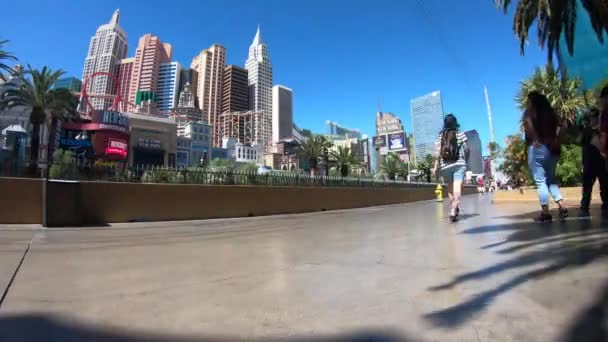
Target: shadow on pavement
{"points": [[542, 250], [463, 217], [43, 327], [592, 325]]}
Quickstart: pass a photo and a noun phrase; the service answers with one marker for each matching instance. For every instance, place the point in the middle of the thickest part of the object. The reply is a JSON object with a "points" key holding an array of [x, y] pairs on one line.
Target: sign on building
{"points": [[396, 141], [379, 141]]}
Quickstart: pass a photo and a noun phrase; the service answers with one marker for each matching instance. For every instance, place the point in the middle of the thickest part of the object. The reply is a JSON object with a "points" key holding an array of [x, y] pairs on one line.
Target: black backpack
{"points": [[449, 146]]}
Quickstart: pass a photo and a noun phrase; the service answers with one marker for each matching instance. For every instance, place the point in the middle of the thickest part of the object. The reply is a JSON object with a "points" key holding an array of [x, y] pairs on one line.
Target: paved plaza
{"points": [[399, 272]]}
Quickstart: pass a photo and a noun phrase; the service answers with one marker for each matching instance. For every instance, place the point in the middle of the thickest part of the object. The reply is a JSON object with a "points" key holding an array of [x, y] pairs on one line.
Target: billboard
{"points": [[379, 141], [117, 147], [396, 141]]}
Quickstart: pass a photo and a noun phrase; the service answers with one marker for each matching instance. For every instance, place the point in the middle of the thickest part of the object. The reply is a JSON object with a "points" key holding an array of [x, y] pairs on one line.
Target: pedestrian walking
{"points": [[594, 164], [541, 126], [451, 151]]}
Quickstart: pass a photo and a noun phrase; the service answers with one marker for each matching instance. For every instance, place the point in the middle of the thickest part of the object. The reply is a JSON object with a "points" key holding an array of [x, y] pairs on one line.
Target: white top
{"points": [[462, 146]]}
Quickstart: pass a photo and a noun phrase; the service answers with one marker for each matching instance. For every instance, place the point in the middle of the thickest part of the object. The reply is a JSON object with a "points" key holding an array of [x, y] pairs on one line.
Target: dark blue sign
{"points": [[75, 143]]}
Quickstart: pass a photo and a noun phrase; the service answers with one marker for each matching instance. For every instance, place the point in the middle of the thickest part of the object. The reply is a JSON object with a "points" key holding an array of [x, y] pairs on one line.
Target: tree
{"points": [[221, 165], [425, 166], [5, 56], [554, 18], [45, 104], [248, 168], [313, 149], [405, 170], [564, 94], [515, 164], [63, 165], [569, 167], [391, 166], [494, 150], [344, 159]]}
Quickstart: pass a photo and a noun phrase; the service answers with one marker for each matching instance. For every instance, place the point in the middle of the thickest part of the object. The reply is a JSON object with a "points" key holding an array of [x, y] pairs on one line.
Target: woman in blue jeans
{"points": [[541, 125], [451, 151]]}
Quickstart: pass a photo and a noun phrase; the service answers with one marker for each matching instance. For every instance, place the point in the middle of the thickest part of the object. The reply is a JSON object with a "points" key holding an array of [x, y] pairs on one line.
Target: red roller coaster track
{"points": [[85, 95]]}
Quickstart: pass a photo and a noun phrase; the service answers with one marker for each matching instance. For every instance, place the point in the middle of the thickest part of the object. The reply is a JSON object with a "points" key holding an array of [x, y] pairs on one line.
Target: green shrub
{"points": [[63, 166]]}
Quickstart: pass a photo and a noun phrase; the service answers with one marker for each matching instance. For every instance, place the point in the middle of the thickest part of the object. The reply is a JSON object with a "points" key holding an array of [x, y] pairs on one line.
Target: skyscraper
{"points": [[282, 113], [475, 162], [259, 76], [124, 70], [209, 65], [333, 128], [107, 46], [150, 54], [427, 121], [189, 77], [71, 83], [186, 112], [235, 97], [168, 86]]}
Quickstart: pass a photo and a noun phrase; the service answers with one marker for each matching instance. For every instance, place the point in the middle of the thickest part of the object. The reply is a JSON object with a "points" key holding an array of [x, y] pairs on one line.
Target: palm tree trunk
{"points": [[34, 147], [313, 166], [344, 170]]}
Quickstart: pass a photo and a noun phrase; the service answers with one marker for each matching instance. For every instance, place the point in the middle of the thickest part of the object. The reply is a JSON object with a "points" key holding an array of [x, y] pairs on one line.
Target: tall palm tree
{"points": [[554, 18], [391, 166], [4, 56], [344, 159], [313, 149], [45, 104], [565, 94], [494, 150]]}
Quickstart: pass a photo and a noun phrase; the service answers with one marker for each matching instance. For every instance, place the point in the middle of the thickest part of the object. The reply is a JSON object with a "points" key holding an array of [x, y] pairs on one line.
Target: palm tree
{"points": [[391, 166], [343, 158], [45, 104], [565, 94], [426, 166], [405, 170], [5, 55], [494, 150], [313, 149], [554, 18]]}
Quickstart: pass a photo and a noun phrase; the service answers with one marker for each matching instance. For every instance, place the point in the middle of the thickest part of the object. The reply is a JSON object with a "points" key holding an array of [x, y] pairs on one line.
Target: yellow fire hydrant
{"points": [[439, 193]]}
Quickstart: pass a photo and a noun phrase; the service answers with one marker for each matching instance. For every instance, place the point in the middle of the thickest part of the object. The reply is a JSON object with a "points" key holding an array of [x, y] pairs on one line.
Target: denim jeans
{"points": [[454, 173], [542, 165]]}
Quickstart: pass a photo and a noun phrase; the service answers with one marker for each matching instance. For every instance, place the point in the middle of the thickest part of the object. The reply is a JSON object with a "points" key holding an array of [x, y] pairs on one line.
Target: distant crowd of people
{"points": [[542, 128]]}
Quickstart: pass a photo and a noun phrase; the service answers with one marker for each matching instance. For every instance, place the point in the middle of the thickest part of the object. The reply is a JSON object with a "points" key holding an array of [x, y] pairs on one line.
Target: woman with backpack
{"points": [[451, 150], [541, 126]]}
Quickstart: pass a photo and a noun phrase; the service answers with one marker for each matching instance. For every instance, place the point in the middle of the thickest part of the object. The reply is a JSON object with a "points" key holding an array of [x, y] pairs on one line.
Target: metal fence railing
{"points": [[85, 171]]}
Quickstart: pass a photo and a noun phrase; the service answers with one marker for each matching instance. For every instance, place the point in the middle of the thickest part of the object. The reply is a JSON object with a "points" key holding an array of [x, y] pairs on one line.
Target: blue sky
{"points": [[339, 57]]}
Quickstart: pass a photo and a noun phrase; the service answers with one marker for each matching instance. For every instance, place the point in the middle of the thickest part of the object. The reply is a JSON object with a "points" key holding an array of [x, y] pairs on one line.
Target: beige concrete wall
{"points": [[571, 194], [20, 200], [117, 202], [78, 203]]}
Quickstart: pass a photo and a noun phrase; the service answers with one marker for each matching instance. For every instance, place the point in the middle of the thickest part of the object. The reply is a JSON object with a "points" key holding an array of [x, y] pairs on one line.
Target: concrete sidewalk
{"points": [[400, 272]]}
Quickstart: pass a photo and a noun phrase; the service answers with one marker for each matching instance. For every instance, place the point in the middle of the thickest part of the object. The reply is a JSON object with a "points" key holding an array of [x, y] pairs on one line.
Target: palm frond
{"points": [[554, 18], [598, 14]]}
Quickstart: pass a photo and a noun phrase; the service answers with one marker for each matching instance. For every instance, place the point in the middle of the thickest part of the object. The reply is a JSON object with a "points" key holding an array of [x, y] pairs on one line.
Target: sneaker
{"points": [[563, 213], [584, 213], [454, 215], [543, 218]]}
